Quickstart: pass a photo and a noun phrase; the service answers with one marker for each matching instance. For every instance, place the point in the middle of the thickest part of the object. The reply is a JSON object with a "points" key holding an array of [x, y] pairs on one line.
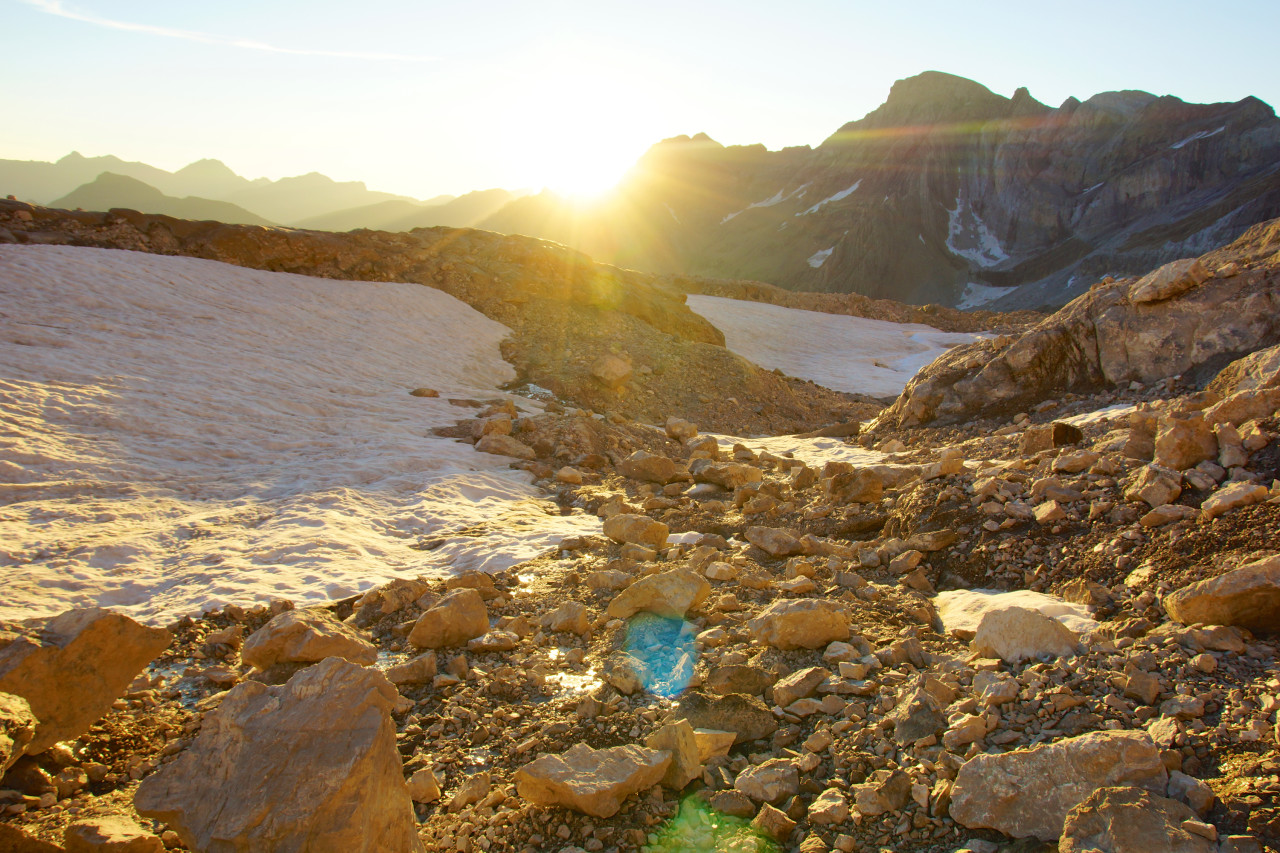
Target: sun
{"points": [[584, 172]]}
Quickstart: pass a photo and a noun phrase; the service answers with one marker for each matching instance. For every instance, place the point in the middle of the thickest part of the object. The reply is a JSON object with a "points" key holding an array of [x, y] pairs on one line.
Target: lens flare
{"points": [[698, 827], [663, 652]]}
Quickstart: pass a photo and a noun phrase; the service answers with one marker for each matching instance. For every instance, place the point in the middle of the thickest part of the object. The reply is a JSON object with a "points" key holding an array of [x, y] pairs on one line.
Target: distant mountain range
{"points": [[946, 193], [208, 189]]}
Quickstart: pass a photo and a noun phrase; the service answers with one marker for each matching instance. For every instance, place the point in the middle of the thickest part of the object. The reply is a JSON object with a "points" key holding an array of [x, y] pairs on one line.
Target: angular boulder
{"points": [[1247, 597], [505, 445], [648, 467], [1015, 634], [1173, 279], [109, 834], [671, 594], [745, 716], [305, 636], [1131, 820], [308, 765], [679, 739], [74, 668], [804, 623], [726, 475], [17, 728], [774, 541], [1183, 442], [1048, 436], [772, 781], [592, 781], [636, 529], [456, 618], [1156, 485], [1030, 791]]}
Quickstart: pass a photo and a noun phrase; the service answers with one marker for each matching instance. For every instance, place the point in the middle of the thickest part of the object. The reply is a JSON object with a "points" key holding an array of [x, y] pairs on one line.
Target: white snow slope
{"points": [[177, 434], [851, 354]]}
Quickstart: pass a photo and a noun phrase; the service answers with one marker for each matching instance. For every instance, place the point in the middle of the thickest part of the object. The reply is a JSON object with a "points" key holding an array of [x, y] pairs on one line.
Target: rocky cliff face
{"points": [[945, 186]]}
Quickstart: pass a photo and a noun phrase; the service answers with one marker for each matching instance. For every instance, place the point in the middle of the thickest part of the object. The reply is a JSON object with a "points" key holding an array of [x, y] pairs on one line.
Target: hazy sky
{"points": [[424, 97]]}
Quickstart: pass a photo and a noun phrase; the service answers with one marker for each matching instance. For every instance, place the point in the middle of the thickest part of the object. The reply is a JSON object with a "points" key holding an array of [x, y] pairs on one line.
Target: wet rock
{"points": [[1015, 634], [592, 781], [305, 636], [745, 716], [648, 467], [456, 618], [800, 624], [109, 834], [1029, 791], [17, 728], [311, 764], [71, 671], [636, 529], [774, 541], [772, 781], [671, 594], [1247, 597], [505, 445], [1130, 820]]}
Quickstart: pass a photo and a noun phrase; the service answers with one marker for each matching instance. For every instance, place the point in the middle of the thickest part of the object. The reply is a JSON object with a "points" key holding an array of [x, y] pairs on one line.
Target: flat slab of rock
{"points": [[805, 623], [671, 594], [962, 609], [1131, 820], [1015, 634], [456, 618], [110, 834], [636, 529], [1173, 279], [74, 668], [505, 445], [1030, 791], [774, 541], [305, 636], [308, 765], [592, 781], [1247, 597], [17, 728]]}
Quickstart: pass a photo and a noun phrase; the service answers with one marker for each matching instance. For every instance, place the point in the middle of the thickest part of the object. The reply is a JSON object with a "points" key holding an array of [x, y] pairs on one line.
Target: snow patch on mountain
{"points": [[970, 238], [840, 196], [1204, 134], [819, 258]]}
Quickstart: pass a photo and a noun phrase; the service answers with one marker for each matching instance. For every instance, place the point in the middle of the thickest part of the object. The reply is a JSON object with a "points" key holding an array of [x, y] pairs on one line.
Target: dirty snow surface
{"points": [[851, 354], [179, 433]]}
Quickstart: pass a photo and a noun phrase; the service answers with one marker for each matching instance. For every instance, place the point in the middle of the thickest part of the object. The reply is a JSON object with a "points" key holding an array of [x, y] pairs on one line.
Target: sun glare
{"points": [[584, 173]]}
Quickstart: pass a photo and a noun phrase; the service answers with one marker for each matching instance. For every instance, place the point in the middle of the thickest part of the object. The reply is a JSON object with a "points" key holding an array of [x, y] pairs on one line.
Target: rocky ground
{"points": [[759, 654]]}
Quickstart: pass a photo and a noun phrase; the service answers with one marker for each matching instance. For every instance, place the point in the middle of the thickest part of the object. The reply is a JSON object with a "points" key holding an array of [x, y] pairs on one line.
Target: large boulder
{"points": [[1029, 791], [308, 765], [592, 781], [1184, 441], [679, 739], [1015, 634], [505, 445], [1131, 820], [805, 623], [1248, 597], [774, 541], [1173, 279], [305, 636], [671, 594], [961, 610], [636, 529], [74, 668], [649, 467], [17, 728], [454, 619]]}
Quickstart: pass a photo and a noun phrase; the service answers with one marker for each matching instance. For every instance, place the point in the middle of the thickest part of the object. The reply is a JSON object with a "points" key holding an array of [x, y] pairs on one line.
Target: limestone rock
{"points": [[456, 618], [305, 636], [738, 678], [1048, 436], [679, 739], [770, 782], [648, 467], [917, 715], [671, 594], [800, 624], [1184, 442], [17, 728], [774, 541], [423, 786], [109, 834], [745, 716], [636, 529], [592, 781], [1244, 406], [800, 684], [1231, 497], [505, 445], [680, 429], [1191, 791], [611, 370], [829, 808], [1130, 820], [713, 743], [1247, 597], [1155, 485], [726, 475], [14, 840], [858, 486], [74, 668], [1029, 791], [311, 764], [572, 616], [774, 823], [1015, 634], [887, 791], [1173, 279], [415, 671], [481, 582]]}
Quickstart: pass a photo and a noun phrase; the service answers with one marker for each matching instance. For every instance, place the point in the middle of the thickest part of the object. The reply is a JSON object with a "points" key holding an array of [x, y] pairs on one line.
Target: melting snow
{"points": [[1204, 134], [969, 237], [852, 354], [817, 259], [777, 198], [181, 433], [840, 196], [980, 294]]}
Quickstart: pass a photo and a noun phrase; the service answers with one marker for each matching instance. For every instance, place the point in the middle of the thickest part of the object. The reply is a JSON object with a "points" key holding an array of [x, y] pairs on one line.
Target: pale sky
{"points": [[423, 97]]}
